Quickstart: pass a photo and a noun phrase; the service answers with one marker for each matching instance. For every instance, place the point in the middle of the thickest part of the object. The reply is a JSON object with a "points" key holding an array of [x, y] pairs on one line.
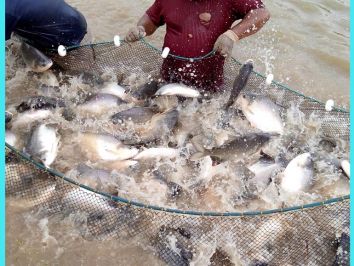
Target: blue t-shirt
{"points": [[45, 23]]}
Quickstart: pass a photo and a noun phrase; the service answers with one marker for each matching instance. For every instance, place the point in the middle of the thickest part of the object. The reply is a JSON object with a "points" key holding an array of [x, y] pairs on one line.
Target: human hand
{"points": [[135, 34], [225, 43]]}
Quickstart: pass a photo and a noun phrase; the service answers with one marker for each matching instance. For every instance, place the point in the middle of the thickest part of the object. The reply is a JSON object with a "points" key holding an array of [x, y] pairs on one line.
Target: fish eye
{"points": [[244, 96]]}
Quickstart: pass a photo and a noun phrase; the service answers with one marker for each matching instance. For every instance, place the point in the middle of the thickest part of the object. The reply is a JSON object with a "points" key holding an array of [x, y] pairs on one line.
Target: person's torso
{"points": [[193, 26]]}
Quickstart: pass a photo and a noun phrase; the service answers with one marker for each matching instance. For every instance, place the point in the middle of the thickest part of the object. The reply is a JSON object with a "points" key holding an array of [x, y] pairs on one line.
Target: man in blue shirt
{"points": [[44, 24]]}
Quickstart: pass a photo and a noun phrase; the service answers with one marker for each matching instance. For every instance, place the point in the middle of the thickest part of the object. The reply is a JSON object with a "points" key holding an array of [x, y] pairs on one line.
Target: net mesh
{"points": [[304, 236]]}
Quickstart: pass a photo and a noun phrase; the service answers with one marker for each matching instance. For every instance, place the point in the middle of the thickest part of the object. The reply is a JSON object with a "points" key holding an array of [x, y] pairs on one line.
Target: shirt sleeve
{"points": [[155, 13], [242, 7]]}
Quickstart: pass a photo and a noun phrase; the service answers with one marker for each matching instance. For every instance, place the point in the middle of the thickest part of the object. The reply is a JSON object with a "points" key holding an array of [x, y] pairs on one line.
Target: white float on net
{"points": [[165, 52], [61, 50], [269, 79], [329, 105], [116, 40]]}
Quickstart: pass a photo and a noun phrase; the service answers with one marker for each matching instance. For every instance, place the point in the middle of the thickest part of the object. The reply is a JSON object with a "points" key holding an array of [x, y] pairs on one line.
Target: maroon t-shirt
{"points": [[192, 27]]}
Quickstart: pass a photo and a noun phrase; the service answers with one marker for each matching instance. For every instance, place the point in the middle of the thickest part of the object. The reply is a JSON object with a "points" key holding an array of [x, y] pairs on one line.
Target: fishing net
{"points": [[305, 235]]}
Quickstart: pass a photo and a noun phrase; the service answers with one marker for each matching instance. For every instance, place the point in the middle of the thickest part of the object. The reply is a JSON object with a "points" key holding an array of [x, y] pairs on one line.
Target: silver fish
{"points": [[261, 112], [178, 90], [240, 81], [97, 179], [100, 103], [40, 102], [298, 175], [137, 115], [240, 148], [29, 117], [43, 144], [34, 58], [159, 127], [117, 90], [105, 147], [174, 246], [10, 138]]}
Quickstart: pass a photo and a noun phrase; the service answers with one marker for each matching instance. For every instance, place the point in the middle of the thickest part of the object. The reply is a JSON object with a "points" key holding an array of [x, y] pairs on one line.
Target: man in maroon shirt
{"points": [[196, 27]]}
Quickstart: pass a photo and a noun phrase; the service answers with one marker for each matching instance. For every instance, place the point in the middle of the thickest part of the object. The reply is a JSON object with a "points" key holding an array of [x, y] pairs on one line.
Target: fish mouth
{"points": [[40, 69]]}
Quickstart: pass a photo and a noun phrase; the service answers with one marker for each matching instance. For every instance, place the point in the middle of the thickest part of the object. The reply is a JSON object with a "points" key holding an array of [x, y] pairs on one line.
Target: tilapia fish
{"points": [[97, 179], [138, 115], [34, 58], [240, 82], [240, 148], [43, 144], [173, 246], [40, 102], [100, 103], [159, 127], [105, 147], [298, 175], [261, 112], [178, 90]]}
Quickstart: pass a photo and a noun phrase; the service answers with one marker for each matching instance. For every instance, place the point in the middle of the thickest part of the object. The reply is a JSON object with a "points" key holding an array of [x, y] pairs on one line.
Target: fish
{"points": [[240, 82], [113, 88], [174, 190], [241, 147], [43, 144], [100, 103], [264, 169], [178, 90], [8, 117], [298, 175], [173, 246], [29, 186], [105, 147], [39, 102], [156, 153], [343, 251], [98, 179], [345, 165], [101, 217], [159, 127], [29, 117], [35, 59], [137, 115], [145, 91], [11, 138], [261, 112], [220, 257]]}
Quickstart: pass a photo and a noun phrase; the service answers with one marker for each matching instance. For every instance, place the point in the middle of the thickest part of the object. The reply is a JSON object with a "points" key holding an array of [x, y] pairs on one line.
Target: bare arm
{"points": [[252, 22], [148, 25]]}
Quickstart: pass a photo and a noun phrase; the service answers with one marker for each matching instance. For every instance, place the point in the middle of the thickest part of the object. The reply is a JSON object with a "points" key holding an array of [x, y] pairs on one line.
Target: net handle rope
{"points": [[208, 55], [53, 172]]}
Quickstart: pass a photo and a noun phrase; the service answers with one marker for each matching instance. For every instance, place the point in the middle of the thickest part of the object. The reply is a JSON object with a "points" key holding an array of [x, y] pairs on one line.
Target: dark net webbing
{"points": [[302, 237]]}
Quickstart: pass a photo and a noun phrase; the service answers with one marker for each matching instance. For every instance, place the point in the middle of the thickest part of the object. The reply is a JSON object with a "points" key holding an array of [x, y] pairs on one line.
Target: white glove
{"points": [[135, 34]]}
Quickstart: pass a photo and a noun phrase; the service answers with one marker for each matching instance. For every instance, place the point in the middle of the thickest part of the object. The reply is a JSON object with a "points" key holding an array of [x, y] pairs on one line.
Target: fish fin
{"points": [[266, 156], [196, 156]]}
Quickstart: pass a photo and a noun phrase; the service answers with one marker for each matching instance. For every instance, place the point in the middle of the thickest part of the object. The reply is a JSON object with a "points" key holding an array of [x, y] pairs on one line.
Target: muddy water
{"points": [[305, 45]]}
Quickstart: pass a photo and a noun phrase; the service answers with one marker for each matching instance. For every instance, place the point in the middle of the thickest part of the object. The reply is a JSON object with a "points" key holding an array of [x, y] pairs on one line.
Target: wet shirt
{"points": [[44, 23], [192, 27]]}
